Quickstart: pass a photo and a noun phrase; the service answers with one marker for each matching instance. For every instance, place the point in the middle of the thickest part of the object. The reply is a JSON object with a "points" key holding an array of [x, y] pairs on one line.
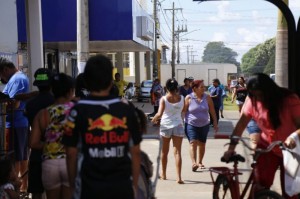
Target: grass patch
{"points": [[228, 105]]}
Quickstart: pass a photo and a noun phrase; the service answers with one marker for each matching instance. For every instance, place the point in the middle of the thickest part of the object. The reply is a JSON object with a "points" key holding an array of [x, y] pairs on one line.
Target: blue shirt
{"points": [[18, 83], [185, 92], [216, 91]]}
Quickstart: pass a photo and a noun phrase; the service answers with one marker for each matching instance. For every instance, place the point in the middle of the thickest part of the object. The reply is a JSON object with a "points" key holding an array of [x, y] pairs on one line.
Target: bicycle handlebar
{"points": [[260, 150]]}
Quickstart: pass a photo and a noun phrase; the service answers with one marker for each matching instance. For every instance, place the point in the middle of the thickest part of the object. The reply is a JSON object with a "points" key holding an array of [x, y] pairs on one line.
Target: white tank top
{"points": [[172, 114]]}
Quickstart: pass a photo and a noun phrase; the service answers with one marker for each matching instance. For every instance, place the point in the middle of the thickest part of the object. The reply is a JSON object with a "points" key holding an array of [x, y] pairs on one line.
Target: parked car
{"points": [[144, 90]]}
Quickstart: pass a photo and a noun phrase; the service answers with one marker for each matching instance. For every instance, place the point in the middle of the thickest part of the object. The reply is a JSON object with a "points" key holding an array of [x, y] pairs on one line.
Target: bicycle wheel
{"points": [[221, 188], [267, 194]]}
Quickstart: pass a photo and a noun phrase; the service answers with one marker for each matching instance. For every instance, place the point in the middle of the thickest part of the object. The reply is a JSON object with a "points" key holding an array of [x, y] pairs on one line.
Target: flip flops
{"points": [[195, 167]]}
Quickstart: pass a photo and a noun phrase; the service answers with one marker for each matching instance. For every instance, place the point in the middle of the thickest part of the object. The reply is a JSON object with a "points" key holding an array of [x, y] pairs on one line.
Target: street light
{"points": [[178, 51], [191, 32]]}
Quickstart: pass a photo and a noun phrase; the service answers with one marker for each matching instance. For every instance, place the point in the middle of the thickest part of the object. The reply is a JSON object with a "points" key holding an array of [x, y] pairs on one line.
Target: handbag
{"points": [[291, 162]]}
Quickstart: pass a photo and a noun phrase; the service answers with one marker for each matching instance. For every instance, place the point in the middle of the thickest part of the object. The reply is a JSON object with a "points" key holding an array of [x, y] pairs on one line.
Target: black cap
{"points": [[42, 77], [191, 78]]}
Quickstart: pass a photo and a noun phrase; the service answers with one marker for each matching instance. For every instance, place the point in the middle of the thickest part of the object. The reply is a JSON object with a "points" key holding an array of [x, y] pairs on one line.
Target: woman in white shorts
{"points": [[240, 92], [171, 126], [49, 125]]}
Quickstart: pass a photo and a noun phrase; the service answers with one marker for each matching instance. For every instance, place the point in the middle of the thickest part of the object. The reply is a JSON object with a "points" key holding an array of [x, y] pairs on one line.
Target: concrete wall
{"points": [[205, 71]]}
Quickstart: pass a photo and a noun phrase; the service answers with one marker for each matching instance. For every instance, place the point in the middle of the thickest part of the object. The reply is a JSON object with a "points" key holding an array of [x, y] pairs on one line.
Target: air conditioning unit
{"points": [[145, 28]]}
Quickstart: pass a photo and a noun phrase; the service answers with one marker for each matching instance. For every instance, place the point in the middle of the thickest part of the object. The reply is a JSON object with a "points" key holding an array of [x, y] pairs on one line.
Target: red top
{"points": [[290, 111]]}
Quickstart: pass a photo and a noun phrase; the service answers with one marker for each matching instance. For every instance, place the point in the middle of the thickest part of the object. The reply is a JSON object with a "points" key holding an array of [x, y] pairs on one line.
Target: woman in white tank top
{"points": [[171, 126]]}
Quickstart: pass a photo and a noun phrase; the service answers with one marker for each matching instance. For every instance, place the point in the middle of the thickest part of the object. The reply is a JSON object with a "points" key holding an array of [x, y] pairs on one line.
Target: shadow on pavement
{"points": [[225, 128]]}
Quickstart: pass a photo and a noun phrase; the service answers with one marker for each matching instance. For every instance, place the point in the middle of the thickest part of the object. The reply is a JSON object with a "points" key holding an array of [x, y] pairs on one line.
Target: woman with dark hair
{"points": [[81, 91], [185, 89], [277, 113], [48, 125], [216, 96], [171, 126], [198, 106], [240, 92]]}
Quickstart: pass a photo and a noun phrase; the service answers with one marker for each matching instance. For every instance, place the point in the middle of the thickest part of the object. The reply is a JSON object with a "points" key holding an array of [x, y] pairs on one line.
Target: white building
{"points": [[205, 71]]}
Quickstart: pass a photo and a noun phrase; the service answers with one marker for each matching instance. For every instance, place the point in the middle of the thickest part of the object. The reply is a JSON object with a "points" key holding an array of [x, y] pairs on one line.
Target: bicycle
{"points": [[227, 182]]}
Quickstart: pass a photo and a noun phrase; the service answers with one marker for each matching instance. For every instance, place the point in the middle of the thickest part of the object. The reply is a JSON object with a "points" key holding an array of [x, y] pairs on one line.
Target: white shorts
{"points": [[239, 102], [176, 131], [54, 173]]}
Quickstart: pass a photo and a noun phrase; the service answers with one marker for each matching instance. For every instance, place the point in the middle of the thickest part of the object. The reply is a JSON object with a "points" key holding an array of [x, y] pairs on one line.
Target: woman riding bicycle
{"points": [[277, 112]]}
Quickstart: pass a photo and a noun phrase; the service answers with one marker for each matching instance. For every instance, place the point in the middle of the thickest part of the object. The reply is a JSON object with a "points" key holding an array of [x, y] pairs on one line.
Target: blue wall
{"points": [[109, 20]]}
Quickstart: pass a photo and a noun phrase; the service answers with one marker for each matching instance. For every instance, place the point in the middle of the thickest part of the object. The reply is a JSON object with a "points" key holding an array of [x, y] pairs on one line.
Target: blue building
{"points": [[121, 29]]}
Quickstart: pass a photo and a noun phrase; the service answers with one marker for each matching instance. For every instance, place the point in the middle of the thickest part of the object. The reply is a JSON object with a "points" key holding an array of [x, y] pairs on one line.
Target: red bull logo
{"points": [[106, 137], [107, 122]]}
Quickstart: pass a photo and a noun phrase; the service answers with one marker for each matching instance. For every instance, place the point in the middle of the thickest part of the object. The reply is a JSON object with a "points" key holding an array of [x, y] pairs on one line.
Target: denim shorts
{"points": [[176, 131], [252, 127], [196, 133], [17, 140]]}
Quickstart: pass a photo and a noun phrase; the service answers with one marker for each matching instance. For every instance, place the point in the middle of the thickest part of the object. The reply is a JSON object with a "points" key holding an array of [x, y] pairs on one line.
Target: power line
{"points": [[228, 43], [173, 9], [166, 21], [214, 12]]}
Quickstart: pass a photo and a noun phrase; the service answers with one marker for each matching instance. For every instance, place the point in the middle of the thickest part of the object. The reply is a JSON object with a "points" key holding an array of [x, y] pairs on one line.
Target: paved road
{"points": [[197, 184]]}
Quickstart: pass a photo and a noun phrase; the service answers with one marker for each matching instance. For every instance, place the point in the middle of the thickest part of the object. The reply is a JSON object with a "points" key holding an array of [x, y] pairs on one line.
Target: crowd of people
{"points": [[84, 138]]}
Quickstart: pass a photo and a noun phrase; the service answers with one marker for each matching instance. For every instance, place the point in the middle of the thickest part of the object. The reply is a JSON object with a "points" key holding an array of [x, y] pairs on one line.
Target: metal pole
{"points": [[155, 40], [82, 34], [188, 56], [178, 52]]}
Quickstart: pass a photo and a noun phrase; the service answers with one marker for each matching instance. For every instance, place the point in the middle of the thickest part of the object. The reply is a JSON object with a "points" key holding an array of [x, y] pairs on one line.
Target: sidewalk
{"points": [[197, 184]]}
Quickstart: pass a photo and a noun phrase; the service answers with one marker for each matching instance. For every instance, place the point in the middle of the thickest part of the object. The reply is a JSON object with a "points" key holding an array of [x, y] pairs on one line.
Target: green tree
{"points": [[217, 52], [270, 67], [259, 58]]}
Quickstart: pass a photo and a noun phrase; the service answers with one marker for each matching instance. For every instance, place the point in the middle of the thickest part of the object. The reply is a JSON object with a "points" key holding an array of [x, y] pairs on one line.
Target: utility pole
{"points": [[82, 34], [173, 41], [173, 38], [192, 56], [187, 53], [155, 68], [178, 50]]}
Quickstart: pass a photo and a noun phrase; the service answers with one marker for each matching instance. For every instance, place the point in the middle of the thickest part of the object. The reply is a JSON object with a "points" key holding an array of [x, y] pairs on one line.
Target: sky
{"points": [[240, 24]]}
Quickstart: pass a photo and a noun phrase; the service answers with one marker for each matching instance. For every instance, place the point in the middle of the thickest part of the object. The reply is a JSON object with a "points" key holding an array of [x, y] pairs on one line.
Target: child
{"points": [[129, 93], [9, 183]]}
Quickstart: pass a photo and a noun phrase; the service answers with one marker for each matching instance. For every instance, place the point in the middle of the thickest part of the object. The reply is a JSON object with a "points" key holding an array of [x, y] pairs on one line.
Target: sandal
{"points": [[201, 166], [180, 181], [195, 167]]}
